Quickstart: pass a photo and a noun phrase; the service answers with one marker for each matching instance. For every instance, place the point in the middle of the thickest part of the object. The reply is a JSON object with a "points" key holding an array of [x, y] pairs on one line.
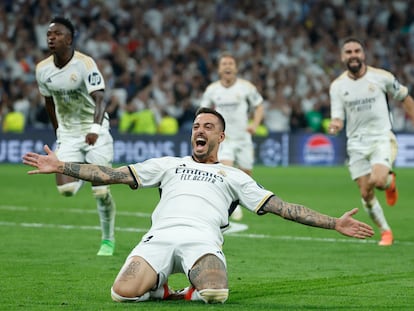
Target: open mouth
{"points": [[201, 142], [354, 61]]}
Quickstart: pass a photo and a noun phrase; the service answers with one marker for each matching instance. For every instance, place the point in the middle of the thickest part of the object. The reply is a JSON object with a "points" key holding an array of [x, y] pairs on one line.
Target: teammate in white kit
{"points": [[359, 96], [186, 232], [235, 99], [73, 88]]}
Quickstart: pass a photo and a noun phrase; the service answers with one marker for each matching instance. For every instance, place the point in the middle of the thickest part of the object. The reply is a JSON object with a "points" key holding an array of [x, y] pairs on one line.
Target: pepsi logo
{"points": [[319, 149]]}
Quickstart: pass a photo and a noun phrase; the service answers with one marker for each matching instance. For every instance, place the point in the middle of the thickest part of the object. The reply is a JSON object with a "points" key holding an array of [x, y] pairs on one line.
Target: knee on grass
{"points": [[118, 298]]}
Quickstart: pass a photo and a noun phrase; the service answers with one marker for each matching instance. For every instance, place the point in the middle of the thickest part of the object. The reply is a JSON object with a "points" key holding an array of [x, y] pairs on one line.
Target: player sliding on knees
{"points": [[193, 208]]}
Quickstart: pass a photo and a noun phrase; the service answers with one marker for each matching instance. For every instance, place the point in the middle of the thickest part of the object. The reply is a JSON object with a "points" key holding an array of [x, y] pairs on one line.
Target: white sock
{"points": [[376, 213], [389, 181], [106, 210]]}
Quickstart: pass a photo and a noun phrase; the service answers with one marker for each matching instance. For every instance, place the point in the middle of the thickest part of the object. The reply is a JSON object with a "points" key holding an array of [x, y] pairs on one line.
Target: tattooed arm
{"points": [[99, 175], [345, 225]]}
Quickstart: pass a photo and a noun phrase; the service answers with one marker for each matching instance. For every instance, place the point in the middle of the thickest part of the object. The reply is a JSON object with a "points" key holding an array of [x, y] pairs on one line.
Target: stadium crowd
{"points": [[158, 56]]}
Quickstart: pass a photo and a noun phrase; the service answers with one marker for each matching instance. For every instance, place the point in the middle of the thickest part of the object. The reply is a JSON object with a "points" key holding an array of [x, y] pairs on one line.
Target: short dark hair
{"points": [[212, 111], [65, 22], [351, 39]]}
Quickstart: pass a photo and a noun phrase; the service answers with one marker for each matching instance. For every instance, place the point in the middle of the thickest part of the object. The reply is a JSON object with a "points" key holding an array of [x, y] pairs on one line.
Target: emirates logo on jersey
{"points": [[94, 78], [195, 174]]}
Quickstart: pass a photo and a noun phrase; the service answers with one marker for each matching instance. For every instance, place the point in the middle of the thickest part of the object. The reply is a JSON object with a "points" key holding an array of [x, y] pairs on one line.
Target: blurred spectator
{"points": [[168, 125], [138, 118], [186, 118], [314, 118], [172, 46], [116, 105], [298, 121], [14, 121], [277, 111], [261, 130]]}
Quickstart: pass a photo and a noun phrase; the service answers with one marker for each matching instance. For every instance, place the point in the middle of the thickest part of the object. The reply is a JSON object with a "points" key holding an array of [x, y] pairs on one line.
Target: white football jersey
{"points": [[363, 102], [197, 195], [234, 103], [70, 87]]}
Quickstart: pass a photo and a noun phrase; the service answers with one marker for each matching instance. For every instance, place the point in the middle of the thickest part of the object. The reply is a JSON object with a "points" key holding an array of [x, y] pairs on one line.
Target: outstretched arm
{"points": [[345, 225], [99, 175]]}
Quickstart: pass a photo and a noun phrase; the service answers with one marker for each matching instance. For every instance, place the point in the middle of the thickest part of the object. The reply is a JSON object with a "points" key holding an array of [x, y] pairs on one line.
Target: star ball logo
{"points": [[318, 149], [94, 78]]}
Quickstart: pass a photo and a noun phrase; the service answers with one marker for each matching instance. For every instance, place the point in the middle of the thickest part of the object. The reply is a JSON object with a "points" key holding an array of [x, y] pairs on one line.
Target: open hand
{"points": [[349, 226], [45, 164]]}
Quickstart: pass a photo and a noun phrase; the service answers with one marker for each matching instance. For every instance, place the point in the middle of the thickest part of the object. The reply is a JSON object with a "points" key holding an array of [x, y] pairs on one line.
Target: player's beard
{"points": [[201, 157], [204, 156], [354, 68]]}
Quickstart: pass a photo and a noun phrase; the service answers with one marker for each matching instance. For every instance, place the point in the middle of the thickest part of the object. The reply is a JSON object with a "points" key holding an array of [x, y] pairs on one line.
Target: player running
{"points": [[359, 95], [73, 88]]}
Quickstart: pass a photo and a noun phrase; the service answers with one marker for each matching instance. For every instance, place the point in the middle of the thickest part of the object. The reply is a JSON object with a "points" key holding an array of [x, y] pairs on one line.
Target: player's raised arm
{"points": [[49, 163], [345, 225]]}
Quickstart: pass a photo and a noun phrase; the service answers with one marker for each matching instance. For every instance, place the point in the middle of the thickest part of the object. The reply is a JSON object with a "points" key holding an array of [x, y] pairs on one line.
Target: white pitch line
{"points": [[69, 210], [233, 227], [230, 233], [233, 230], [66, 227]]}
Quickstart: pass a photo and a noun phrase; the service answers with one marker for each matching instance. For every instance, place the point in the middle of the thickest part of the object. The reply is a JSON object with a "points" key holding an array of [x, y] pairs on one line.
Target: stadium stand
{"points": [[169, 47]]}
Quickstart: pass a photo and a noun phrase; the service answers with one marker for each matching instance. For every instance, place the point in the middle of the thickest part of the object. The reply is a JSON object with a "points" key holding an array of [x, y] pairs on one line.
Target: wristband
{"points": [[95, 128]]}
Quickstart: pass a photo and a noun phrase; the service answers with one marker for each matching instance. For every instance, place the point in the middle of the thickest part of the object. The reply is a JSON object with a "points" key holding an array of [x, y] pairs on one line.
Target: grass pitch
{"points": [[48, 248]]}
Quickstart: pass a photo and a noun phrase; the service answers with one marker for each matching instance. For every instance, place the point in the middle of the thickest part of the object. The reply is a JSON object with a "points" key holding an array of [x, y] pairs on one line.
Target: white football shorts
{"points": [[365, 151], [240, 152], [172, 251], [71, 148]]}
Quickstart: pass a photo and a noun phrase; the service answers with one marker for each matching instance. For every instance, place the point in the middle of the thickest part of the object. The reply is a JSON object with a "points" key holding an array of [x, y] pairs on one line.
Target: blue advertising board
{"points": [[317, 149], [277, 149]]}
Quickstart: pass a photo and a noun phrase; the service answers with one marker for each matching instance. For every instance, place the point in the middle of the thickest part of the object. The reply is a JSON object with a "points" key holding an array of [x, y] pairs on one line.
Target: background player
{"points": [[73, 88], [236, 99], [359, 95]]}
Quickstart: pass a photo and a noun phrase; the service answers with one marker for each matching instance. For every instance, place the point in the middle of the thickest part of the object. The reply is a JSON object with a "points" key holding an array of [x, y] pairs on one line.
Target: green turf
{"points": [[48, 248]]}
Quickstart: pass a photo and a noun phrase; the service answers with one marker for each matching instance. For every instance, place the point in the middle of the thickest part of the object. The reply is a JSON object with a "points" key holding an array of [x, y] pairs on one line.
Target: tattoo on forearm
{"points": [[72, 169], [299, 213], [95, 173]]}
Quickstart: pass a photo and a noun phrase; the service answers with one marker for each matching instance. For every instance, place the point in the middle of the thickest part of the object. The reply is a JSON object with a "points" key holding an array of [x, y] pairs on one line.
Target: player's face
{"points": [[58, 37], [353, 56], [206, 136], [227, 68]]}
